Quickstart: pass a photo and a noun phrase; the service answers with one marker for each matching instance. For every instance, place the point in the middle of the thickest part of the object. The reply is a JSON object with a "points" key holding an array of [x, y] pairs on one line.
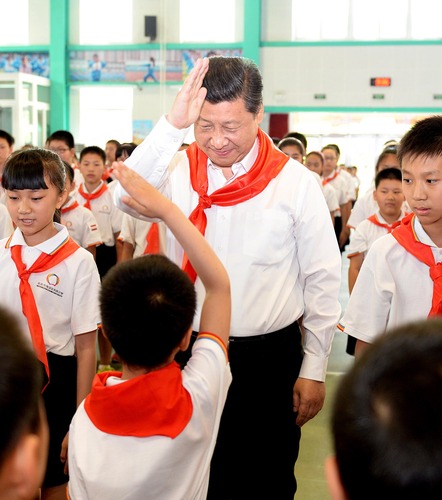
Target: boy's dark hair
{"points": [[96, 150], [386, 417], [21, 381], [147, 305], [423, 139], [299, 136], [232, 78], [8, 137], [388, 173], [62, 135]]}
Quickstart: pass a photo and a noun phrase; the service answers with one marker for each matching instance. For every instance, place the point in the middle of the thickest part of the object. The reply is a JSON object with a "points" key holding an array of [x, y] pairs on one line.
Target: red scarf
{"points": [[267, 166], [91, 196], [154, 404], [152, 240], [329, 179], [107, 174], [406, 236], [71, 207], [29, 307], [374, 219]]}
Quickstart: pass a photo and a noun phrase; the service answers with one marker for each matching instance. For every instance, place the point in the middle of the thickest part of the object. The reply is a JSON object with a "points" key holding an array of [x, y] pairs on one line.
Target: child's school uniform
{"points": [[365, 206], [81, 223], [6, 227], [140, 234], [368, 231], [393, 287], [109, 219], [66, 296], [151, 437]]}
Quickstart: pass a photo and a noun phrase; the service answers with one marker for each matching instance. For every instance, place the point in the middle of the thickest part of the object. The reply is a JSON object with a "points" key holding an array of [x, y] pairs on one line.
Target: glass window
{"points": [[105, 22], [320, 19], [425, 19], [104, 113], [198, 24], [15, 22]]}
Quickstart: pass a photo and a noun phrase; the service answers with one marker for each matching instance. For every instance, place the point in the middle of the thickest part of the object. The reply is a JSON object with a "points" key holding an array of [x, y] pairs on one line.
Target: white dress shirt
{"points": [[278, 247]]}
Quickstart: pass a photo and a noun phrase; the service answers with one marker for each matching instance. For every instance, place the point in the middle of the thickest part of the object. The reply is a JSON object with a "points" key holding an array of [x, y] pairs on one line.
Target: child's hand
{"points": [[144, 198]]}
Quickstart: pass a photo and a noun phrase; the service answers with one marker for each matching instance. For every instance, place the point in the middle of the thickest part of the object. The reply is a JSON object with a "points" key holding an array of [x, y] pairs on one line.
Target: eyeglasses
{"points": [[59, 150]]}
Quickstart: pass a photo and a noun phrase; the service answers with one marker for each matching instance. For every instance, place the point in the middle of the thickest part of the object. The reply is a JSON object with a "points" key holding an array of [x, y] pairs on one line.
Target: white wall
{"points": [[292, 75]]}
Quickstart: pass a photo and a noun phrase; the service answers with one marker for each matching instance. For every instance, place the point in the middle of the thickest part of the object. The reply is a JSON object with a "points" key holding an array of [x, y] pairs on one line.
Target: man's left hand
{"points": [[308, 399]]}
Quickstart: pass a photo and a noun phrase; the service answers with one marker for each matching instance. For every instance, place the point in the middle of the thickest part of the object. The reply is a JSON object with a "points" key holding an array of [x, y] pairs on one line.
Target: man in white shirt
{"points": [[266, 218]]}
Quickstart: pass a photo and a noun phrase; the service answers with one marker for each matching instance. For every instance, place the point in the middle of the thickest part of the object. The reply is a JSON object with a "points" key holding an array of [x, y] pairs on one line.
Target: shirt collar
{"points": [[244, 165], [421, 234], [47, 246]]}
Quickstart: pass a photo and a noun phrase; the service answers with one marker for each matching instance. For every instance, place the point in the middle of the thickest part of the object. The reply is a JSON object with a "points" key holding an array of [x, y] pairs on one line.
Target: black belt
{"points": [[290, 329]]}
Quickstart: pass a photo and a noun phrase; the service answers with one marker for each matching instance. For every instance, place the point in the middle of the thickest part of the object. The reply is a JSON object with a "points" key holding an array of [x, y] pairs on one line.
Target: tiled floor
{"points": [[316, 441]]}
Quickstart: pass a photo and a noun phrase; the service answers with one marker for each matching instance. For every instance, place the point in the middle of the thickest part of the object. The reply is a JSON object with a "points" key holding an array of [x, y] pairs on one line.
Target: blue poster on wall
{"points": [[34, 63], [137, 66]]}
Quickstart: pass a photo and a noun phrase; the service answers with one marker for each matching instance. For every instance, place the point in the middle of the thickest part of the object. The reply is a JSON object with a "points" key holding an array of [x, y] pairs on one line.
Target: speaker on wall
{"points": [[150, 27]]}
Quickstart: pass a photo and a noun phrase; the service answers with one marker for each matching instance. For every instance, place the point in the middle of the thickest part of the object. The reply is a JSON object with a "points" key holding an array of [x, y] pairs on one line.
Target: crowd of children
{"points": [[79, 276]]}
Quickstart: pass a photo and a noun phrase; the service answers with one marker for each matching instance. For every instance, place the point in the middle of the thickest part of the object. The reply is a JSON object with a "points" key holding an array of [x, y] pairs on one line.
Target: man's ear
{"points": [[333, 477], [21, 472]]}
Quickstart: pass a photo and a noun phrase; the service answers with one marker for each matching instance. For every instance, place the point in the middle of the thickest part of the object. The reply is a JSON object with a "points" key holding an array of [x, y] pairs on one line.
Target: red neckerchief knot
{"points": [[268, 164], [205, 201], [29, 306], [406, 236]]}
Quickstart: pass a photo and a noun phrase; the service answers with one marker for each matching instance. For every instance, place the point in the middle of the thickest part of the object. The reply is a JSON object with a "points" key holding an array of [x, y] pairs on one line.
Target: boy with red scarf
{"points": [[265, 216], [401, 277], [149, 432]]}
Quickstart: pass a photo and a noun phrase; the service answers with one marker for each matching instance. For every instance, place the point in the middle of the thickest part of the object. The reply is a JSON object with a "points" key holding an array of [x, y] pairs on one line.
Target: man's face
{"points": [[226, 131]]}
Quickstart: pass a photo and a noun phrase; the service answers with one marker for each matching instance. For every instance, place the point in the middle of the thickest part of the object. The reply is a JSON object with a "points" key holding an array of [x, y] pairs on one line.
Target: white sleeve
{"points": [[369, 305], [151, 158]]}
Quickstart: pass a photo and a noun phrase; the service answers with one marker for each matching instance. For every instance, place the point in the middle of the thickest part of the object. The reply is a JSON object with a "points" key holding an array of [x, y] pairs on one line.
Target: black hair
{"points": [[21, 381], [147, 305], [299, 136], [96, 150], [423, 139], [8, 137], [62, 135], [388, 173], [27, 169], [386, 424], [127, 147], [292, 141], [232, 78], [335, 148]]}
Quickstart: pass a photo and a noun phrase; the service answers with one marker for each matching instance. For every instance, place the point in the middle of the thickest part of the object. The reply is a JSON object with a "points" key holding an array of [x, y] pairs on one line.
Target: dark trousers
{"points": [[60, 399], [258, 439], [106, 257]]}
